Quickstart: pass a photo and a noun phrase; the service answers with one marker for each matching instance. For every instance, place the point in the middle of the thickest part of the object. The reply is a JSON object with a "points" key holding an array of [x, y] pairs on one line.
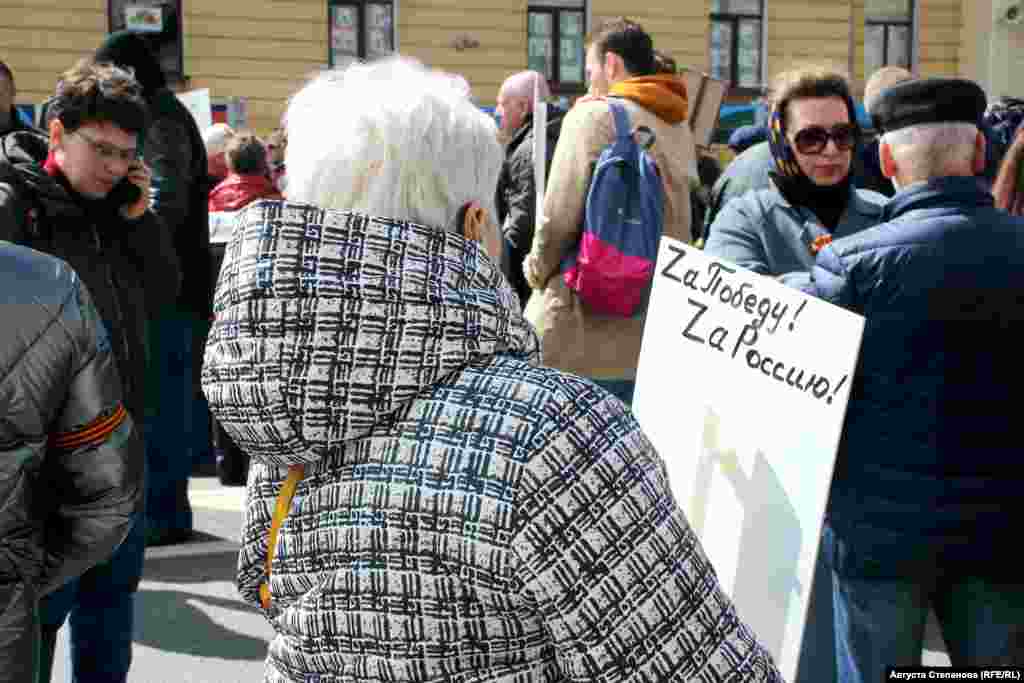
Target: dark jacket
{"points": [[748, 171], [129, 267], [175, 152], [517, 197], [17, 123], [71, 462], [1000, 125], [871, 176], [930, 470], [45, 111]]}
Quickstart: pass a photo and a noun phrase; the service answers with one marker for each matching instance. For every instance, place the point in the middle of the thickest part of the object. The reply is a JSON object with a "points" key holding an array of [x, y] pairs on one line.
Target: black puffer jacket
{"points": [[71, 461], [174, 150], [127, 265]]}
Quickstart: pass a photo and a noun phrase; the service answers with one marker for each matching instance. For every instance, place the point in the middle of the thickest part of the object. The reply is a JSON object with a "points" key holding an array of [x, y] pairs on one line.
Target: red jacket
{"points": [[231, 195], [238, 191]]}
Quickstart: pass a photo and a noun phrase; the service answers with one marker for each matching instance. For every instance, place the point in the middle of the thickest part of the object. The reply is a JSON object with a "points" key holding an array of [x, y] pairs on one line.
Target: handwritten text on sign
{"points": [[715, 282]]}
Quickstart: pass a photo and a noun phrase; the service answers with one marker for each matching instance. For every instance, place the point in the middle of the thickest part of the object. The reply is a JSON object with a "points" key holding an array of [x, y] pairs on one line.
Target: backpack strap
{"points": [[623, 128], [281, 508]]}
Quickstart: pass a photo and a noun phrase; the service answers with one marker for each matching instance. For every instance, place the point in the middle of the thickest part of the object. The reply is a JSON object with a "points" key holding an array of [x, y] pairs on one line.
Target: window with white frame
{"points": [[556, 30], [359, 30], [888, 34], [736, 27]]}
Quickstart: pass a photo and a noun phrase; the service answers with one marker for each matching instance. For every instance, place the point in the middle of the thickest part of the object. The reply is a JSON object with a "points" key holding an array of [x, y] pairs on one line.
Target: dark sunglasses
{"points": [[814, 139]]}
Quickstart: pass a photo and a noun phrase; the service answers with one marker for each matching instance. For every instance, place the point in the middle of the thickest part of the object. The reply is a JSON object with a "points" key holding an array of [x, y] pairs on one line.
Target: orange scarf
{"points": [[663, 95]]}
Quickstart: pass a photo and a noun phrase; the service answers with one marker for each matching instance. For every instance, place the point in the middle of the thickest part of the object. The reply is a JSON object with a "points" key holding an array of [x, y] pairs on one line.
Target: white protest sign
{"points": [[742, 387], [540, 150], [198, 103]]}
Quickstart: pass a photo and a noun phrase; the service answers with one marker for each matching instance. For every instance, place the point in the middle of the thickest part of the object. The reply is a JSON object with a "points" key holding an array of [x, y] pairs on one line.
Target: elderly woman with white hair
{"points": [[426, 503]]}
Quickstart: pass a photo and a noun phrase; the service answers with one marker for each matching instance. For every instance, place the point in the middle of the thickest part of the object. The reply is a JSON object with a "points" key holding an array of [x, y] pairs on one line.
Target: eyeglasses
{"points": [[814, 139], [109, 152]]}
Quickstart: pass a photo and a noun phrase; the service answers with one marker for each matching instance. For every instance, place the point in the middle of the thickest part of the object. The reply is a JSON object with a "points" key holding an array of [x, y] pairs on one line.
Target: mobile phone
{"points": [[126, 193]]}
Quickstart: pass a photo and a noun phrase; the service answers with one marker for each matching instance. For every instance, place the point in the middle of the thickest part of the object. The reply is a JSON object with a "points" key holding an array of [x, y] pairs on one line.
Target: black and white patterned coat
{"points": [[465, 515]]}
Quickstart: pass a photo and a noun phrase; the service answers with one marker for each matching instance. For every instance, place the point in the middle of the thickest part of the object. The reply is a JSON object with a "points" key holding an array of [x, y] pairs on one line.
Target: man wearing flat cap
{"points": [[925, 507]]}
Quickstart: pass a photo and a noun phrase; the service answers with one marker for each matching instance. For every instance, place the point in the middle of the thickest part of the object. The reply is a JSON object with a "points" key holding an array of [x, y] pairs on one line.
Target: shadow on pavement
{"points": [[181, 621], [187, 563]]}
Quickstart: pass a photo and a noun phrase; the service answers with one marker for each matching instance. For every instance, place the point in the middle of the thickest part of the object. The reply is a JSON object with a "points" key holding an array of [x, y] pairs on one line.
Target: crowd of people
{"points": [[366, 318]]}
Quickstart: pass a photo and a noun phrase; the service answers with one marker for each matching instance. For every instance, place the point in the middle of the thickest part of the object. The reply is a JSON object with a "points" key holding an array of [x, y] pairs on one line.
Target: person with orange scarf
{"points": [[620, 63]]}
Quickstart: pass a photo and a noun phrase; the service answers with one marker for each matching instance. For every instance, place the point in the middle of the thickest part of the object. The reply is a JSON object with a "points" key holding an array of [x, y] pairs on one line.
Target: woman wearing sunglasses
{"points": [[778, 230], [813, 134]]}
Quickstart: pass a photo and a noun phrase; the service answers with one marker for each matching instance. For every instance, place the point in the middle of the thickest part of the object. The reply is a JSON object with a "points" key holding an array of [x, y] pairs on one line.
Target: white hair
{"points": [[391, 138], [928, 150]]}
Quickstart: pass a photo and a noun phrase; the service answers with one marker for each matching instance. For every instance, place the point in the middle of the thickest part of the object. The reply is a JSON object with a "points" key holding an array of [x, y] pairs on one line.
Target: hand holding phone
{"points": [[132, 193]]}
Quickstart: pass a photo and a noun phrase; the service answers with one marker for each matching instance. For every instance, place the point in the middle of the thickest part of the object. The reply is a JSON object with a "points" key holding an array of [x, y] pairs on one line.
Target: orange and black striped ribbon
{"points": [[92, 434]]}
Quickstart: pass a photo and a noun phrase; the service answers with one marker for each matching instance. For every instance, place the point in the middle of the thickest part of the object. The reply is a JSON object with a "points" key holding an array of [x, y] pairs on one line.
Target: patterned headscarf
{"points": [[782, 151], [827, 202]]}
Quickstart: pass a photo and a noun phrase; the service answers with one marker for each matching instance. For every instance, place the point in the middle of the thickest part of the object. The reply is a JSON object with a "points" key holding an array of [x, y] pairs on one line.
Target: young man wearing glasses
{"points": [[813, 134], [84, 197]]}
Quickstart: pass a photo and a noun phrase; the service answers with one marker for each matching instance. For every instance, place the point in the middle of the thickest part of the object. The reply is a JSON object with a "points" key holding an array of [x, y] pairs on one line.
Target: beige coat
{"points": [[573, 338]]}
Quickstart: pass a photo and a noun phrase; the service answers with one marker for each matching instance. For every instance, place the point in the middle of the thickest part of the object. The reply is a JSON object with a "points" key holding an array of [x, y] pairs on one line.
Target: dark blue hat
{"points": [[928, 100]]}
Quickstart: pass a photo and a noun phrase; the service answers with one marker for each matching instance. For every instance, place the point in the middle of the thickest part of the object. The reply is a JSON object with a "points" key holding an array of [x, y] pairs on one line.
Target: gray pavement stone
{"points": [[191, 626]]}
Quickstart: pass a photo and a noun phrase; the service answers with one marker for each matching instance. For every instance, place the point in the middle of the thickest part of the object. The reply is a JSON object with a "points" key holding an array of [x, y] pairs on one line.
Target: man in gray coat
{"points": [[516, 200]]}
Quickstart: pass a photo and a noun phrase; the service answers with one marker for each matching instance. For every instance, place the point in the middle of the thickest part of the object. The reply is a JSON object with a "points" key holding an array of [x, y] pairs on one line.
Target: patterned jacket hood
{"points": [[328, 322]]}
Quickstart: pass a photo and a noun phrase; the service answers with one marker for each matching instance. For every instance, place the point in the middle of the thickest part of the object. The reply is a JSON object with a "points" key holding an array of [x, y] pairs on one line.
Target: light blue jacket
{"points": [[763, 232]]}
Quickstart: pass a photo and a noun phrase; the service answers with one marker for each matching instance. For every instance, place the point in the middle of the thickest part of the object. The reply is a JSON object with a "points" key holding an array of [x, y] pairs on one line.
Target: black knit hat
{"points": [[127, 49], [928, 100]]}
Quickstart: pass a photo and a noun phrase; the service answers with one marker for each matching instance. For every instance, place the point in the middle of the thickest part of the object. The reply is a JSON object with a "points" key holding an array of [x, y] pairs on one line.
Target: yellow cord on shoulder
{"points": [[281, 508]]}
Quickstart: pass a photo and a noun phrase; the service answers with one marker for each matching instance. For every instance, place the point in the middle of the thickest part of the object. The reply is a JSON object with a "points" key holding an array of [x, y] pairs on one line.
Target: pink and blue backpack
{"points": [[612, 266]]}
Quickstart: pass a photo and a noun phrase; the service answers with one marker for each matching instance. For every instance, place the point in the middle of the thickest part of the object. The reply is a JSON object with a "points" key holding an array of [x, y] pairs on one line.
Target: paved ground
{"points": [[193, 628], [191, 625]]}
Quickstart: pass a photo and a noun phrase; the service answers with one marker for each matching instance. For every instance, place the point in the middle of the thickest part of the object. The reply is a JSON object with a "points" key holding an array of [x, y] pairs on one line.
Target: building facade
{"points": [[262, 50]]}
